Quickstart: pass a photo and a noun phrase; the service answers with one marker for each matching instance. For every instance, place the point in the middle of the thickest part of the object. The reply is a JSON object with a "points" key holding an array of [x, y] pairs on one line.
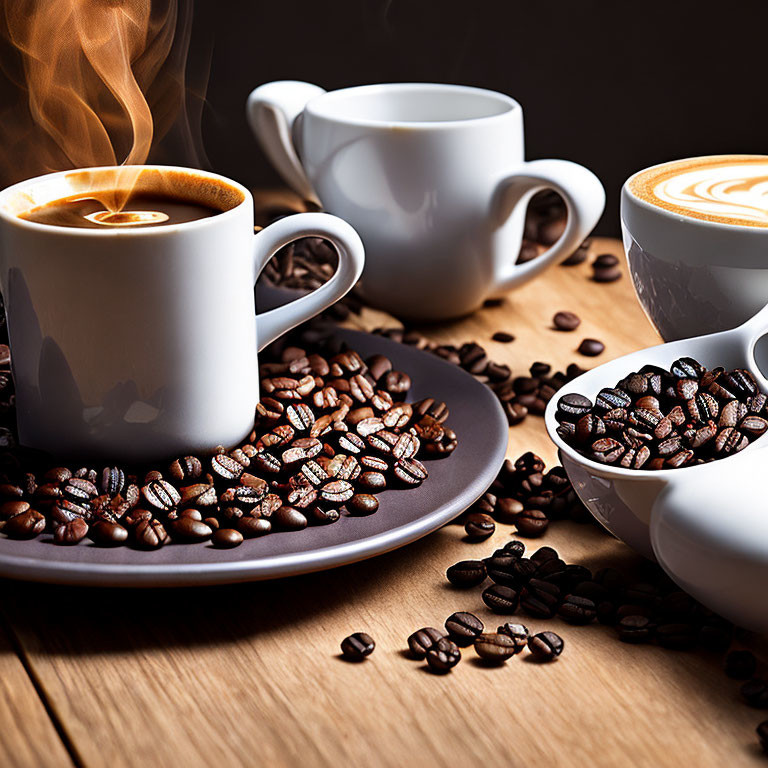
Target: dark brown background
{"points": [[612, 85]]}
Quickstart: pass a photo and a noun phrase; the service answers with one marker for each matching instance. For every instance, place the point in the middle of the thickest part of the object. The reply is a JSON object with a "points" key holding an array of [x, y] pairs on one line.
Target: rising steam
{"points": [[87, 66]]}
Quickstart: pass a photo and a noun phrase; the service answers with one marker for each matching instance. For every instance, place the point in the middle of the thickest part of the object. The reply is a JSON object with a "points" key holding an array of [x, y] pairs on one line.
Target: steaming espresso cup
{"points": [[138, 342], [696, 237], [433, 178]]}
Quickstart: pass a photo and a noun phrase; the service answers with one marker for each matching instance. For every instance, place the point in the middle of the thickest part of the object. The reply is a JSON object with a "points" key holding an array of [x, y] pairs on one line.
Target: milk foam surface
{"points": [[730, 189]]}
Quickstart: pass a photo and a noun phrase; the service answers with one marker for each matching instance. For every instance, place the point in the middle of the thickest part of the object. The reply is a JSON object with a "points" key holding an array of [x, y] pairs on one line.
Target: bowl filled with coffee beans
{"points": [[643, 435]]}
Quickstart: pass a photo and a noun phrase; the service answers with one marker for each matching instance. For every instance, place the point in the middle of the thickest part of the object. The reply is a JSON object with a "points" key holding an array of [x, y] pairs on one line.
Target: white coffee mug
{"points": [[693, 276], [141, 343], [433, 178]]}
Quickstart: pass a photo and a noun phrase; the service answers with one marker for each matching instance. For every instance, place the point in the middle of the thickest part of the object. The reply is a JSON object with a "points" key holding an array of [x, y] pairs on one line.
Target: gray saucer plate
{"points": [[404, 516]]}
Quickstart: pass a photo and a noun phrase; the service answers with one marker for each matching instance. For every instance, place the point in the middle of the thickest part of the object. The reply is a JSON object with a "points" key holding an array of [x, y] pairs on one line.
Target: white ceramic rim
{"points": [[672, 216], [158, 231], [317, 106]]}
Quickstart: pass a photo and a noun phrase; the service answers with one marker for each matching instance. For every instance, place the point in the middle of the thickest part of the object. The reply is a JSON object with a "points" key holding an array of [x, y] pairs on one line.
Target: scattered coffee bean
{"points": [[443, 655], [463, 627], [501, 599], [503, 337], [495, 647], [363, 504], [591, 347], [605, 268], [357, 646], [479, 526], [532, 523], [226, 538], [545, 646], [566, 321], [422, 640], [517, 632], [108, 534], [467, 573]]}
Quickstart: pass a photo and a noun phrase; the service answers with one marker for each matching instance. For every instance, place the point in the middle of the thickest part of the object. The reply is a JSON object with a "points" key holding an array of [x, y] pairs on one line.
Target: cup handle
{"points": [[272, 112], [584, 197], [274, 323]]}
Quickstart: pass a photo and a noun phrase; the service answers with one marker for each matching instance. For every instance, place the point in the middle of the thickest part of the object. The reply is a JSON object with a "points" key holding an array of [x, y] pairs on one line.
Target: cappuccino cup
{"points": [[696, 237], [140, 342], [434, 179]]}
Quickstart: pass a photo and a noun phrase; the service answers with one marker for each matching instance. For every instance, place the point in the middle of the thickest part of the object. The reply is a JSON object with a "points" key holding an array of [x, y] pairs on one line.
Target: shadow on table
{"points": [[86, 620]]}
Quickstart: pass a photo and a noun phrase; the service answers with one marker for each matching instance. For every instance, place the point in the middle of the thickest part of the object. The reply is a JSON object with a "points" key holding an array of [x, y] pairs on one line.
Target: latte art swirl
{"points": [[730, 189]]}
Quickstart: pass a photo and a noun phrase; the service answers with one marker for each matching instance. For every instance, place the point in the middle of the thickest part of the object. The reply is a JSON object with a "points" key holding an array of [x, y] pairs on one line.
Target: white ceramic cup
{"points": [[433, 177], [693, 276], [139, 343]]}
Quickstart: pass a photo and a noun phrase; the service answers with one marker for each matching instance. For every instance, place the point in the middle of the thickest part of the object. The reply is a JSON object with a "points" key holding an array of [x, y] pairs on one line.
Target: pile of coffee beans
{"points": [[646, 608], [441, 648], [331, 432], [528, 496], [664, 419], [519, 395]]}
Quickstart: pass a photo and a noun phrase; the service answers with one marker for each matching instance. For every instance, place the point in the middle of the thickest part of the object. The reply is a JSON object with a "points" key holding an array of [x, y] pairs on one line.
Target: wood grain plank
{"points": [[28, 738], [250, 674]]}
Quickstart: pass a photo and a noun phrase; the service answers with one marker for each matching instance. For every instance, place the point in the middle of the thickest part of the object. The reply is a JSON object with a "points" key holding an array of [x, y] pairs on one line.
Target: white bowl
{"points": [[707, 525]]}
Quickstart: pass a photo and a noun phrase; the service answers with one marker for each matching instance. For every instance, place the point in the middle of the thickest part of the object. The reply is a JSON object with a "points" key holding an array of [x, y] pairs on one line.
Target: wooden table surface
{"points": [[250, 675]]}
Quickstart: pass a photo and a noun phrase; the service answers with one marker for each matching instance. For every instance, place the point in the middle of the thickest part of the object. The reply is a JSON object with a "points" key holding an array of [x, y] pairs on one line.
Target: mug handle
{"points": [[272, 111], [584, 198], [274, 323]]}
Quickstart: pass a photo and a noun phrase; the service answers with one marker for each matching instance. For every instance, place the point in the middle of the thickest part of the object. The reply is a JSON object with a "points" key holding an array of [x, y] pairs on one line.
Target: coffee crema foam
{"points": [[729, 189]]}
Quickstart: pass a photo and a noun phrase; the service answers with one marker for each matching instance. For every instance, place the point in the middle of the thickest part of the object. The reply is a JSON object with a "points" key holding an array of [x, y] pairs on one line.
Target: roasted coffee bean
{"points": [[740, 665], [507, 510], [577, 610], [150, 534], [112, 480], [186, 469], [107, 534], [531, 523], [289, 519], [503, 337], [635, 628], [591, 347], [71, 532], [363, 504], [566, 321], [161, 495], [517, 632], [467, 573], [545, 646], [226, 538], [479, 526], [422, 640], [410, 471], [26, 525], [249, 527], [573, 406], [375, 482], [543, 555], [463, 627], [337, 492], [495, 647], [540, 598], [501, 599], [188, 529], [357, 646], [443, 655]]}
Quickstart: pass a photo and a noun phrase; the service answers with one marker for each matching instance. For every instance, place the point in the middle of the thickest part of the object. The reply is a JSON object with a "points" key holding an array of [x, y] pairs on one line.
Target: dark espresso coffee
{"points": [[143, 209]]}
